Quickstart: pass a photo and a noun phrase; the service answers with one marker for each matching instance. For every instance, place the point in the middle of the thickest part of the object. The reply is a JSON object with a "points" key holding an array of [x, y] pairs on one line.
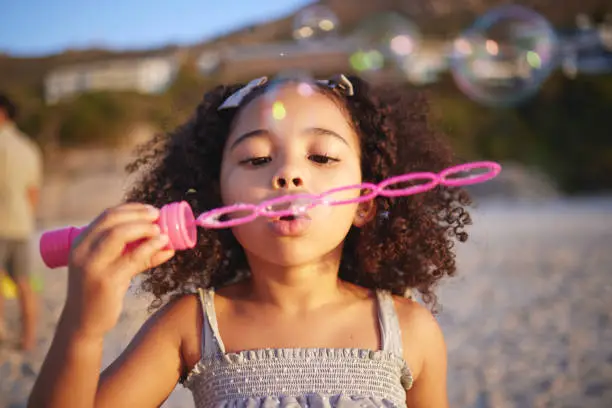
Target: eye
{"points": [[257, 161], [323, 159]]}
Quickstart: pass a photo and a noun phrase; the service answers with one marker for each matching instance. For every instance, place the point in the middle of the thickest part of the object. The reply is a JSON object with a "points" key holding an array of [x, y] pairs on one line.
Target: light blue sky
{"points": [[37, 27]]}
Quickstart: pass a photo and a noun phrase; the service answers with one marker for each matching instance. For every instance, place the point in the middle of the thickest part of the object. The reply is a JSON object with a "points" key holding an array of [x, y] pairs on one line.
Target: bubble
{"points": [[351, 194], [469, 173], [238, 213], [348, 195], [408, 184], [295, 204], [505, 56], [314, 24], [386, 40]]}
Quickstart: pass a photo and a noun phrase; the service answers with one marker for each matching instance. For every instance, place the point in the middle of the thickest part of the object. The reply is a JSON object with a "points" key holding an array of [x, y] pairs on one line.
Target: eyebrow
{"points": [[311, 131]]}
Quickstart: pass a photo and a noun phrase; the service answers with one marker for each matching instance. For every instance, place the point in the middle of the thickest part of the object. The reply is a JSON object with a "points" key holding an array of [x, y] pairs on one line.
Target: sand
{"points": [[528, 320]]}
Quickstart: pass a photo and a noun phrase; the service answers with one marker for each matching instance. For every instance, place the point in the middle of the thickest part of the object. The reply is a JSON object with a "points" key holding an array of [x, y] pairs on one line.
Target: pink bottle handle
{"points": [[175, 219]]}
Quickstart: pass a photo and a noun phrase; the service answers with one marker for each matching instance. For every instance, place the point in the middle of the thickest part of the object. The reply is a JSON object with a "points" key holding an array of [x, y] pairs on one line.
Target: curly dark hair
{"points": [[8, 106], [408, 245]]}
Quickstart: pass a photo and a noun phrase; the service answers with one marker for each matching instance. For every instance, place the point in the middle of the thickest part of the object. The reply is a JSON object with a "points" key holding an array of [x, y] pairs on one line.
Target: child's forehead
{"points": [[292, 102]]}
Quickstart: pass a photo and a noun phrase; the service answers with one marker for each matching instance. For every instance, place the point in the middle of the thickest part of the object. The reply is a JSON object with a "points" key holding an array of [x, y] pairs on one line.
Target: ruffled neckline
{"points": [[310, 401], [239, 357]]}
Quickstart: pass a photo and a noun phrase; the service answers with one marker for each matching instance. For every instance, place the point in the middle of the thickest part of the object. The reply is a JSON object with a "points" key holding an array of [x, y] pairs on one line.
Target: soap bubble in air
{"points": [[505, 56], [298, 204], [386, 40], [315, 23]]}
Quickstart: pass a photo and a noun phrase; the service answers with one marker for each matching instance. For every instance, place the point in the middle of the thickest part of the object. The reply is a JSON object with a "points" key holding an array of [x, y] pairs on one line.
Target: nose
{"points": [[288, 178]]}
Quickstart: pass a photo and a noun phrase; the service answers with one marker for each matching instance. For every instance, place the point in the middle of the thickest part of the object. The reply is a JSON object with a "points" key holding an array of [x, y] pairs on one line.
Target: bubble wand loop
{"points": [[178, 222]]}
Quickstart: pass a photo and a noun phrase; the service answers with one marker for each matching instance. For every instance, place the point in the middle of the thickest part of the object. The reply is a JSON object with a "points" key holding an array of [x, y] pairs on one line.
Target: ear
{"points": [[365, 213]]}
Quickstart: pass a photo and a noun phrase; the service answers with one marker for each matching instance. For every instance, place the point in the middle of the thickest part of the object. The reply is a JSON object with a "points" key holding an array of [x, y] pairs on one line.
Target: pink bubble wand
{"points": [[178, 222]]}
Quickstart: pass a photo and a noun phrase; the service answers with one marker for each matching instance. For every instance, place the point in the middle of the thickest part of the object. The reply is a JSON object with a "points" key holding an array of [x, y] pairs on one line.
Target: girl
{"points": [[287, 313]]}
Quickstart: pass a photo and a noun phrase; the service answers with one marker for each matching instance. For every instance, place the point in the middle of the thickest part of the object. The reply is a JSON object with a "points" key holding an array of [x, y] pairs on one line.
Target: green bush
{"points": [[92, 119]]}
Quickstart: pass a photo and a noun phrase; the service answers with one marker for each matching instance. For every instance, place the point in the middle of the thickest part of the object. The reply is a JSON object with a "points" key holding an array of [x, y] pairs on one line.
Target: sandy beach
{"points": [[528, 319]]}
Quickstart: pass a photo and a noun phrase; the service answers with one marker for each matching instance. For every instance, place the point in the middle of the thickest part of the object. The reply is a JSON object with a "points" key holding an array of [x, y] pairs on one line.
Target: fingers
{"points": [[161, 257], [106, 237], [125, 213], [110, 244], [146, 255]]}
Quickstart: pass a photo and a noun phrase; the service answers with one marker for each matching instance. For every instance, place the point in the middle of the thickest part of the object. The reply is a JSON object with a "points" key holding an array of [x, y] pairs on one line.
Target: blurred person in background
{"points": [[20, 180]]}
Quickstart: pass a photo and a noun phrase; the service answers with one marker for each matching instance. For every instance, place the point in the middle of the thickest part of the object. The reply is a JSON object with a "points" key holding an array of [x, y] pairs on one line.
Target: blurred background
{"points": [[526, 83]]}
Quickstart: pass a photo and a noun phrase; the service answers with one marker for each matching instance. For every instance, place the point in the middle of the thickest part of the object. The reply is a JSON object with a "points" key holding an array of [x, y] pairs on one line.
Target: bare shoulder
{"points": [[180, 308], [185, 317], [177, 322], [176, 316], [414, 316], [422, 337], [156, 358]]}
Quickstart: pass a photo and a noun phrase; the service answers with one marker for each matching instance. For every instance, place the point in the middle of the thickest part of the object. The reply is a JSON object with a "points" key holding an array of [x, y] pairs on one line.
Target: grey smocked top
{"points": [[301, 377]]}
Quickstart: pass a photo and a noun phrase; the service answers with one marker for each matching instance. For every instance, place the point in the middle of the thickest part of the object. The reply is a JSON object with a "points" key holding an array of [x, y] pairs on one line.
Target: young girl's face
{"points": [[309, 148]]}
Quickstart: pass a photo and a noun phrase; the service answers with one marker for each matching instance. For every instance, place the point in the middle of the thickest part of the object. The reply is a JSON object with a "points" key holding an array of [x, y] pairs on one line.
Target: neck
{"points": [[298, 288]]}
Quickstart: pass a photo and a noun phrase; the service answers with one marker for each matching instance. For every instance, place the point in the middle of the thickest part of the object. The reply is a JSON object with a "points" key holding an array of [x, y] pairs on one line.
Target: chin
{"points": [[294, 257], [292, 250]]}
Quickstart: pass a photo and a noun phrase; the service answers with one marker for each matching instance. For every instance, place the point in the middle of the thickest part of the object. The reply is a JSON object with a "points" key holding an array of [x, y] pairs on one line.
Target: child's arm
{"points": [[150, 367], [143, 376], [99, 274], [425, 352]]}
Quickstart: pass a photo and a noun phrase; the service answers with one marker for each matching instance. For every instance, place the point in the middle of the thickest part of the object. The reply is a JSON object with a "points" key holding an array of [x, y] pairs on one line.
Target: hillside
{"points": [[440, 17], [563, 130]]}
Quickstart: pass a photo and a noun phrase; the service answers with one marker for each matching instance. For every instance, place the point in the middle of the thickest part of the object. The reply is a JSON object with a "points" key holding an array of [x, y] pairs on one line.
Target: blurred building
{"points": [[586, 50], [245, 62], [322, 58], [149, 74]]}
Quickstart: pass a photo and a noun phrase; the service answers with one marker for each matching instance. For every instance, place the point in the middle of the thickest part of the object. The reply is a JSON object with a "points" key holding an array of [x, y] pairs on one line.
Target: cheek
{"points": [[351, 176], [348, 174], [238, 186], [243, 233], [230, 184], [231, 188]]}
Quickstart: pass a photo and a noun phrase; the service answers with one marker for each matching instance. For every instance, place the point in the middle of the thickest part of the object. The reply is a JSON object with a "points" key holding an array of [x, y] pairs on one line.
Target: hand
{"points": [[100, 268]]}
